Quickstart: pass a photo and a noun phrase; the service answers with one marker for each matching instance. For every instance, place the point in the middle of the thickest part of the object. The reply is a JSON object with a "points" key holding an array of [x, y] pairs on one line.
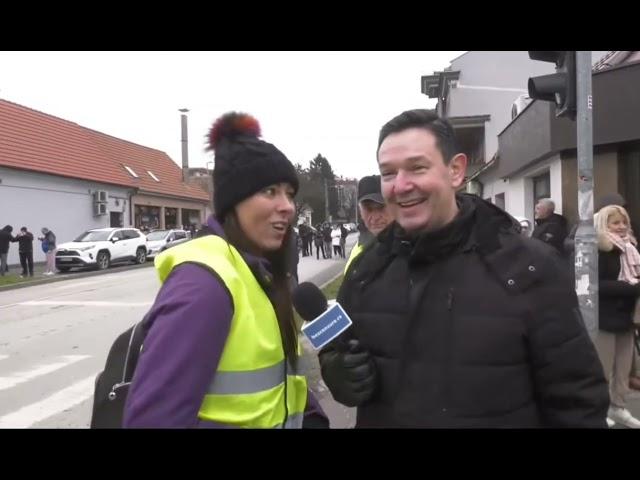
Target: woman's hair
{"points": [[601, 220], [279, 293]]}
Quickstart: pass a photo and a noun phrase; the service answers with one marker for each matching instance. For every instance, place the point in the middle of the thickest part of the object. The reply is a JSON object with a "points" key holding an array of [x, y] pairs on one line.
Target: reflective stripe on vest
{"points": [[231, 383], [355, 251], [248, 388]]}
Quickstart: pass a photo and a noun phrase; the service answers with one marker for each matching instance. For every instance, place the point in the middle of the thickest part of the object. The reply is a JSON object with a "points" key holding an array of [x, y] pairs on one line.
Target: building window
{"points": [[147, 217], [131, 172], [170, 218], [153, 176], [541, 187], [190, 217]]}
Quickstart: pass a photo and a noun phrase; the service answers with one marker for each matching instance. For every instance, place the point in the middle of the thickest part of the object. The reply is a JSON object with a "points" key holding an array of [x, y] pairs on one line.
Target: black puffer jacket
{"points": [[25, 242], [477, 328], [5, 238], [616, 299], [552, 230]]}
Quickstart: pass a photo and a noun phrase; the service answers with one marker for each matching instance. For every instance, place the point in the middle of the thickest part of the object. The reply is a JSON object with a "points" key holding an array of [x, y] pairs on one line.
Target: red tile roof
{"points": [[36, 141]]}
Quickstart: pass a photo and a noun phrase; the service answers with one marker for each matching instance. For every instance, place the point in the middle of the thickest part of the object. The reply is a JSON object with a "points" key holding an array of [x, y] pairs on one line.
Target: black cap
{"points": [[369, 189]]}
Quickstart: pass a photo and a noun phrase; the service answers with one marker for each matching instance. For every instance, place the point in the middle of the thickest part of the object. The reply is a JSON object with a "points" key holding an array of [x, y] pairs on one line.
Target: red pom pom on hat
{"points": [[231, 125]]}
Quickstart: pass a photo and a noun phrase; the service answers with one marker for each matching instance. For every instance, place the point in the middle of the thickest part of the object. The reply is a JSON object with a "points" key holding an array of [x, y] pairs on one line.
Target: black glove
{"points": [[349, 374], [315, 422]]}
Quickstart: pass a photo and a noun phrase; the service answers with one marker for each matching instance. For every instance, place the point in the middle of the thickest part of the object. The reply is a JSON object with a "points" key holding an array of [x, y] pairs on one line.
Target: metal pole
{"points": [[326, 201], [185, 144], [355, 204], [586, 259]]}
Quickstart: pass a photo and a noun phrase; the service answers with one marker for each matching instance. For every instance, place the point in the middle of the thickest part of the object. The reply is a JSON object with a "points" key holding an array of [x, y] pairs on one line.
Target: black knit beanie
{"points": [[244, 164]]}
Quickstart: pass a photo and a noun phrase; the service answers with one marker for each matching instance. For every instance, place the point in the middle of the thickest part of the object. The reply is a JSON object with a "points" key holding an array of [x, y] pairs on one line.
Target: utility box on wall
{"points": [[99, 203]]}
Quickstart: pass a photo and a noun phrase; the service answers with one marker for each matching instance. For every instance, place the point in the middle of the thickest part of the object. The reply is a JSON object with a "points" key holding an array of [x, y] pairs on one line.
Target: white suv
{"points": [[102, 247]]}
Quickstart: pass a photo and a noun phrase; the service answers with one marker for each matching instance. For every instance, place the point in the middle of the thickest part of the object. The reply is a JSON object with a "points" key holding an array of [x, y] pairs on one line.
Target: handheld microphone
{"points": [[309, 301], [324, 323]]}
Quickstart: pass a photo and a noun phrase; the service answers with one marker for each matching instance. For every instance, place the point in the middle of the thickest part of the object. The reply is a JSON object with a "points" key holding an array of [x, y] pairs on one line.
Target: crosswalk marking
{"points": [[62, 400], [2, 357], [17, 378]]}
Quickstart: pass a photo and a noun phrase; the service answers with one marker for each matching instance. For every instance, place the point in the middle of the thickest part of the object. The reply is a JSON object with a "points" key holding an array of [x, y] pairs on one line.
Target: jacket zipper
{"points": [[446, 371]]}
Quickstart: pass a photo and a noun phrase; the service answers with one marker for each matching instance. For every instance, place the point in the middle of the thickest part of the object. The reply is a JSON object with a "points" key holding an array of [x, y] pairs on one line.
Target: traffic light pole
{"points": [[586, 256]]}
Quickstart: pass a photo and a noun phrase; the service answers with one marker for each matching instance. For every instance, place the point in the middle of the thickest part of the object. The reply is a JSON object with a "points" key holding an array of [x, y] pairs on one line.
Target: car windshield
{"points": [[157, 235], [93, 236]]}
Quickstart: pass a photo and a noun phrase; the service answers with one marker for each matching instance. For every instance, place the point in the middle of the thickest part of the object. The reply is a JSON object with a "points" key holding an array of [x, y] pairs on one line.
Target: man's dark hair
{"points": [[429, 120]]}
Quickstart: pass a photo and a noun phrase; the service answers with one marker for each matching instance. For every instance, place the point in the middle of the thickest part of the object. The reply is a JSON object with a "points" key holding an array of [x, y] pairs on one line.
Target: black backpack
{"points": [[112, 384]]}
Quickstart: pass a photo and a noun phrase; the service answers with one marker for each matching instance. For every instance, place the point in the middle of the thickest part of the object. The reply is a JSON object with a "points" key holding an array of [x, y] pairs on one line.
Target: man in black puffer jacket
{"points": [[458, 321], [550, 227]]}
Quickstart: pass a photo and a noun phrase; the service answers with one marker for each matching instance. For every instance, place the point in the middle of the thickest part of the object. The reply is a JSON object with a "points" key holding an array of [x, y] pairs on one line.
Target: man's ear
{"points": [[457, 169]]}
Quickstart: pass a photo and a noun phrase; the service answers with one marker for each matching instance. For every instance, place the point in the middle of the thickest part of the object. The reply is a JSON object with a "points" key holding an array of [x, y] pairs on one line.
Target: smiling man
{"points": [[458, 320]]}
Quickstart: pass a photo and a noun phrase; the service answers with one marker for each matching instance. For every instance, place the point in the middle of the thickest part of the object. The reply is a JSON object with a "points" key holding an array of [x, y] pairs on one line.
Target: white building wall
{"points": [[519, 189], [64, 205]]}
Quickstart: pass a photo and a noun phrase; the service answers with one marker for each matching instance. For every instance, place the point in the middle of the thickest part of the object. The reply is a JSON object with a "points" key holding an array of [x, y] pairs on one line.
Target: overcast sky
{"points": [[332, 103]]}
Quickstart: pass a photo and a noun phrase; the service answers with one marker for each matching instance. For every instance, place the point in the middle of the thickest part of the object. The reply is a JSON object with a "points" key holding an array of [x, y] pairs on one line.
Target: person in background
{"points": [[326, 237], [5, 239], [343, 240], [25, 250], [550, 227], [335, 241], [48, 240], [319, 242], [373, 212], [618, 292]]}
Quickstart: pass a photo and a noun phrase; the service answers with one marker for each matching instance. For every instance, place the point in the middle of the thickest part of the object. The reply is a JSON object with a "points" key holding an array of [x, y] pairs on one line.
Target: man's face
{"points": [[542, 211], [418, 186], [376, 216]]}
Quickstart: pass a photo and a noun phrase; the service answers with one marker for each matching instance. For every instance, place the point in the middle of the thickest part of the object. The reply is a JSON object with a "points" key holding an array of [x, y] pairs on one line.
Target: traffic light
{"points": [[559, 87]]}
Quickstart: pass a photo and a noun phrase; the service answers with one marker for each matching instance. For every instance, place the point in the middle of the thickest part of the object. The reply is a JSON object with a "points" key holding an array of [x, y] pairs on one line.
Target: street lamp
{"points": [[185, 144]]}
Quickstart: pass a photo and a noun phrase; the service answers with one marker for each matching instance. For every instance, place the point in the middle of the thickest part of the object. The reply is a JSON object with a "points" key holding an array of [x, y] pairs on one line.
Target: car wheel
{"points": [[103, 260], [141, 256]]}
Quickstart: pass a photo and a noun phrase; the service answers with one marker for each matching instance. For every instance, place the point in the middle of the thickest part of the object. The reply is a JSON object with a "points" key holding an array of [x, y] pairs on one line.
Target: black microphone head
{"points": [[309, 301]]}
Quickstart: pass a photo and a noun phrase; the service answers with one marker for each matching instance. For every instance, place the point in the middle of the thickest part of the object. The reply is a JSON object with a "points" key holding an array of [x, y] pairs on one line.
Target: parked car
{"points": [[102, 247], [159, 240]]}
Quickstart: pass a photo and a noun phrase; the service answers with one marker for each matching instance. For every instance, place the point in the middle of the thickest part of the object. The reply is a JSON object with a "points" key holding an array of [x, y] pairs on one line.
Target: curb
{"points": [[61, 277], [330, 280]]}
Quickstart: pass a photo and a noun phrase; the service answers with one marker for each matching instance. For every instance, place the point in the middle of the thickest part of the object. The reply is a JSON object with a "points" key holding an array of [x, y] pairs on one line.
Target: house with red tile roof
{"points": [[57, 174]]}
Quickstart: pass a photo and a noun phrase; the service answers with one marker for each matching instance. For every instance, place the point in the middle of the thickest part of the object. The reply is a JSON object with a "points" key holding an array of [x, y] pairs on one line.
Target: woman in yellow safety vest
{"points": [[222, 347]]}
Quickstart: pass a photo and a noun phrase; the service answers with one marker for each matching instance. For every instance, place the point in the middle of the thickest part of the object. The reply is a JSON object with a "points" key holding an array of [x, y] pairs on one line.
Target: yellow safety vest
{"points": [[355, 251], [252, 379]]}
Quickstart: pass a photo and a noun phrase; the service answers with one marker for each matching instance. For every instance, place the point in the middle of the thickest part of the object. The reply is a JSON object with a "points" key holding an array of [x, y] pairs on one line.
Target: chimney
{"points": [[185, 145]]}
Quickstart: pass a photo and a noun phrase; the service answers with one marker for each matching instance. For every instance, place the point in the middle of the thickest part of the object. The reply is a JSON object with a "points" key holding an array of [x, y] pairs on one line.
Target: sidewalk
{"points": [[309, 267], [339, 415]]}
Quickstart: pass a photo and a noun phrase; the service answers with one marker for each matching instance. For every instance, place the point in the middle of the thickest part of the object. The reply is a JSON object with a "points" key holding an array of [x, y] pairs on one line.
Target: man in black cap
{"points": [[373, 211]]}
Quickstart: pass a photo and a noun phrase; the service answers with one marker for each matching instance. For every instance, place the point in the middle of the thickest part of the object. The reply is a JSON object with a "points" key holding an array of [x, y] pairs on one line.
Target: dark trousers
{"points": [[26, 261], [320, 248], [327, 248]]}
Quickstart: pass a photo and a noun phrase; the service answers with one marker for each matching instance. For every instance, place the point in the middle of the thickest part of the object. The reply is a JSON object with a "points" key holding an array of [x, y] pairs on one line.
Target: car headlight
{"points": [[84, 249]]}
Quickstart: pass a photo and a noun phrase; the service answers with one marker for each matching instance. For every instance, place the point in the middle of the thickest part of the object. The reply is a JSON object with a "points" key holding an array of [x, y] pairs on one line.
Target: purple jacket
{"points": [[189, 324]]}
